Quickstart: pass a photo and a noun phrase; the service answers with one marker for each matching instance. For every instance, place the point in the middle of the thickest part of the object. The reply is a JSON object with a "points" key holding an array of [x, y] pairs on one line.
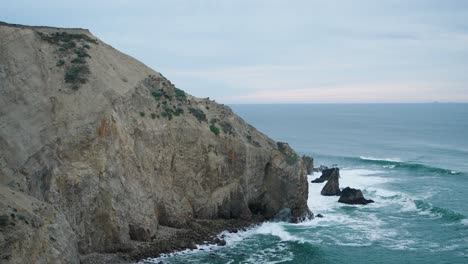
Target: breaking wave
{"points": [[398, 163]]}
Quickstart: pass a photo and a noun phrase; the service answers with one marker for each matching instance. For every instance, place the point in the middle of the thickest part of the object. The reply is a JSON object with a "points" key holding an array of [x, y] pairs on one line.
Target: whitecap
{"points": [[380, 159]]}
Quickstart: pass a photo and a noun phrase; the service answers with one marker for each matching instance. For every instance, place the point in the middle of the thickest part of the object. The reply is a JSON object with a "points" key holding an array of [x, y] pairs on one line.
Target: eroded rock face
{"points": [[353, 196], [326, 174], [332, 187], [119, 150], [34, 232]]}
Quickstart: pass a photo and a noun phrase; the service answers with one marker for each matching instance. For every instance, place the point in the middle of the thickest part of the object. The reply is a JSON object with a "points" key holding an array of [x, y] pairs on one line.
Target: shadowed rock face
{"points": [[309, 164], [117, 150], [332, 187], [326, 174], [353, 196]]}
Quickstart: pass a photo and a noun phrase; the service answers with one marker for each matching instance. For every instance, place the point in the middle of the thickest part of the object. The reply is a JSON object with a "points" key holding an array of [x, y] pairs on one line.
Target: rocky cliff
{"points": [[97, 149]]}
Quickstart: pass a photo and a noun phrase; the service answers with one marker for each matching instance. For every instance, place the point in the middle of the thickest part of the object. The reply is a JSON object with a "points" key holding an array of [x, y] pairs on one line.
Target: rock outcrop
{"points": [[102, 150], [332, 187], [309, 164], [353, 196], [326, 174]]}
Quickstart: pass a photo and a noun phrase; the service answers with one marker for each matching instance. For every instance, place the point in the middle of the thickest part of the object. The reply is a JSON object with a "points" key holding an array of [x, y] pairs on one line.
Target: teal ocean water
{"points": [[411, 159]]}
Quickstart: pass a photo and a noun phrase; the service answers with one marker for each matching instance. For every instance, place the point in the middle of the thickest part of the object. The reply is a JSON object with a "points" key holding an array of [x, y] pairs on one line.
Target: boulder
{"points": [[333, 185], [326, 174], [320, 168], [353, 196]]}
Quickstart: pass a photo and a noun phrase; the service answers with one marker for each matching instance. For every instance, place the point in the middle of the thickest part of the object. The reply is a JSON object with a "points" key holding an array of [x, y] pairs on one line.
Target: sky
{"points": [[295, 51]]}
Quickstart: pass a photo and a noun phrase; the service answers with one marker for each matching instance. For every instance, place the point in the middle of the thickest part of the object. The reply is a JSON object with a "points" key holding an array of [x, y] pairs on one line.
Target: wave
{"points": [[443, 213], [398, 163]]}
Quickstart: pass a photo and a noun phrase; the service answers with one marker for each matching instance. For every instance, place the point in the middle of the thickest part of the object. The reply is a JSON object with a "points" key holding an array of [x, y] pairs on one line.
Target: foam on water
{"points": [[381, 159], [276, 229]]}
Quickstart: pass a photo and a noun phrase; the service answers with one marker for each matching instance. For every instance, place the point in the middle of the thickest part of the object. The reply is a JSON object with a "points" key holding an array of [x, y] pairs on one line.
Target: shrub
{"points": [[199, 114], [180, 94], [178, 111], [76, 74], [142, 114], [213, 121], [57, 37], [167, 112], [78, 60], [86, 46], [60, 63], [82, 53], [214, 129], [227, 127], [157, 94], [153, 115], [68, 45]]}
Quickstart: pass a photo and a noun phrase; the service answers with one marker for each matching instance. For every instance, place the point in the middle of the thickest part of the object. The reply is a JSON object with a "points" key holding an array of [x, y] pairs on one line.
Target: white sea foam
{"points": [[381, 159], [276, 229]]}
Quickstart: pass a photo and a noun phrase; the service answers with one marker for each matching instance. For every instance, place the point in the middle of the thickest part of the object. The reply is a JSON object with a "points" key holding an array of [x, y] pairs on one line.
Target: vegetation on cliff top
{"points": [[76, 71]]}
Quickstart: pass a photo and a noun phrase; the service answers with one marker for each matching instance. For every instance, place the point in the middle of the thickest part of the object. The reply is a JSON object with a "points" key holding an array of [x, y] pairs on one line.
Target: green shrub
{"points": [[60, 63], [157, 94], [199, 114], [82, 53], [180, 94], [213, 121], [57, 37], [178, 111], [77, 74], [142, 114], [86, 46], [78, 60], [214, 129], [68, 45], [153, 115]]}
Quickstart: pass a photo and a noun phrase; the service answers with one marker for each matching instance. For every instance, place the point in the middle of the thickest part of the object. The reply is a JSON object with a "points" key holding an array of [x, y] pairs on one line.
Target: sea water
{"points": [[411, 159]]}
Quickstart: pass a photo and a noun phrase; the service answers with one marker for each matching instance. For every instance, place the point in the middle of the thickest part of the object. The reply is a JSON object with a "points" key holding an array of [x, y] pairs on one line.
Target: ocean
{"points": [[411, 159]]}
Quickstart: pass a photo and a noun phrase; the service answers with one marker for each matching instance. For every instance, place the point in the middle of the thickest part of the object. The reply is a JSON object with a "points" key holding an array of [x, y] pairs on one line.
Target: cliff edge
{"points": [[98, 150]]}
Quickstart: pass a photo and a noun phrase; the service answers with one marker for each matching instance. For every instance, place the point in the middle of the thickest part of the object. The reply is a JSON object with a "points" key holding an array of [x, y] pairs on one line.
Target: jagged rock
{"points": [[353, 196], [326, 174], [109, 142], [219, 241], [332, 187], [319, 216], [320, 168], [309, 164]]}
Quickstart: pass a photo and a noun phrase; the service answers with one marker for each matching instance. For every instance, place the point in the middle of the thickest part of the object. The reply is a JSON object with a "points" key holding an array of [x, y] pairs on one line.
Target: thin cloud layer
{"points": [[282, 51]]}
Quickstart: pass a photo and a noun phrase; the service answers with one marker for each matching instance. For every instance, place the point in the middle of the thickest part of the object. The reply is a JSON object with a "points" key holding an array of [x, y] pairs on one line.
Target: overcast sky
{"points": [[281, 51]]}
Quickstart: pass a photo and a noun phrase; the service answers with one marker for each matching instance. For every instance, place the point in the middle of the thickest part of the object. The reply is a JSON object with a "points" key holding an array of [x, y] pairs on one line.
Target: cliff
{"points": [[97, 150]]}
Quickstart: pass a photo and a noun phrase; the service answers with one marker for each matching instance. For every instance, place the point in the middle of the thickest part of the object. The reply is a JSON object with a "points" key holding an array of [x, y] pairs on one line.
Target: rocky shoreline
{"points": [[169, 240]]}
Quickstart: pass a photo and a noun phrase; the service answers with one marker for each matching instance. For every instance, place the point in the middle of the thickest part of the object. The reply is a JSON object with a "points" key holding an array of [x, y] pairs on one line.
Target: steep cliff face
{"points": [[116, 150]]}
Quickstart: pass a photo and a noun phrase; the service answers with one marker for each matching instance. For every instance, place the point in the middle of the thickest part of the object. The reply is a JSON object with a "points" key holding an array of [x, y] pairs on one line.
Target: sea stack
{"points": [[353, 196], [326, 174], [332, 187], [99, 152]]}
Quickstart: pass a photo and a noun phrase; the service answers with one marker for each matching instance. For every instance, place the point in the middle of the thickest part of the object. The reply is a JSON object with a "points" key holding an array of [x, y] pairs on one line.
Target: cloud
{"points": [[376, 93], [282, 51]]}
